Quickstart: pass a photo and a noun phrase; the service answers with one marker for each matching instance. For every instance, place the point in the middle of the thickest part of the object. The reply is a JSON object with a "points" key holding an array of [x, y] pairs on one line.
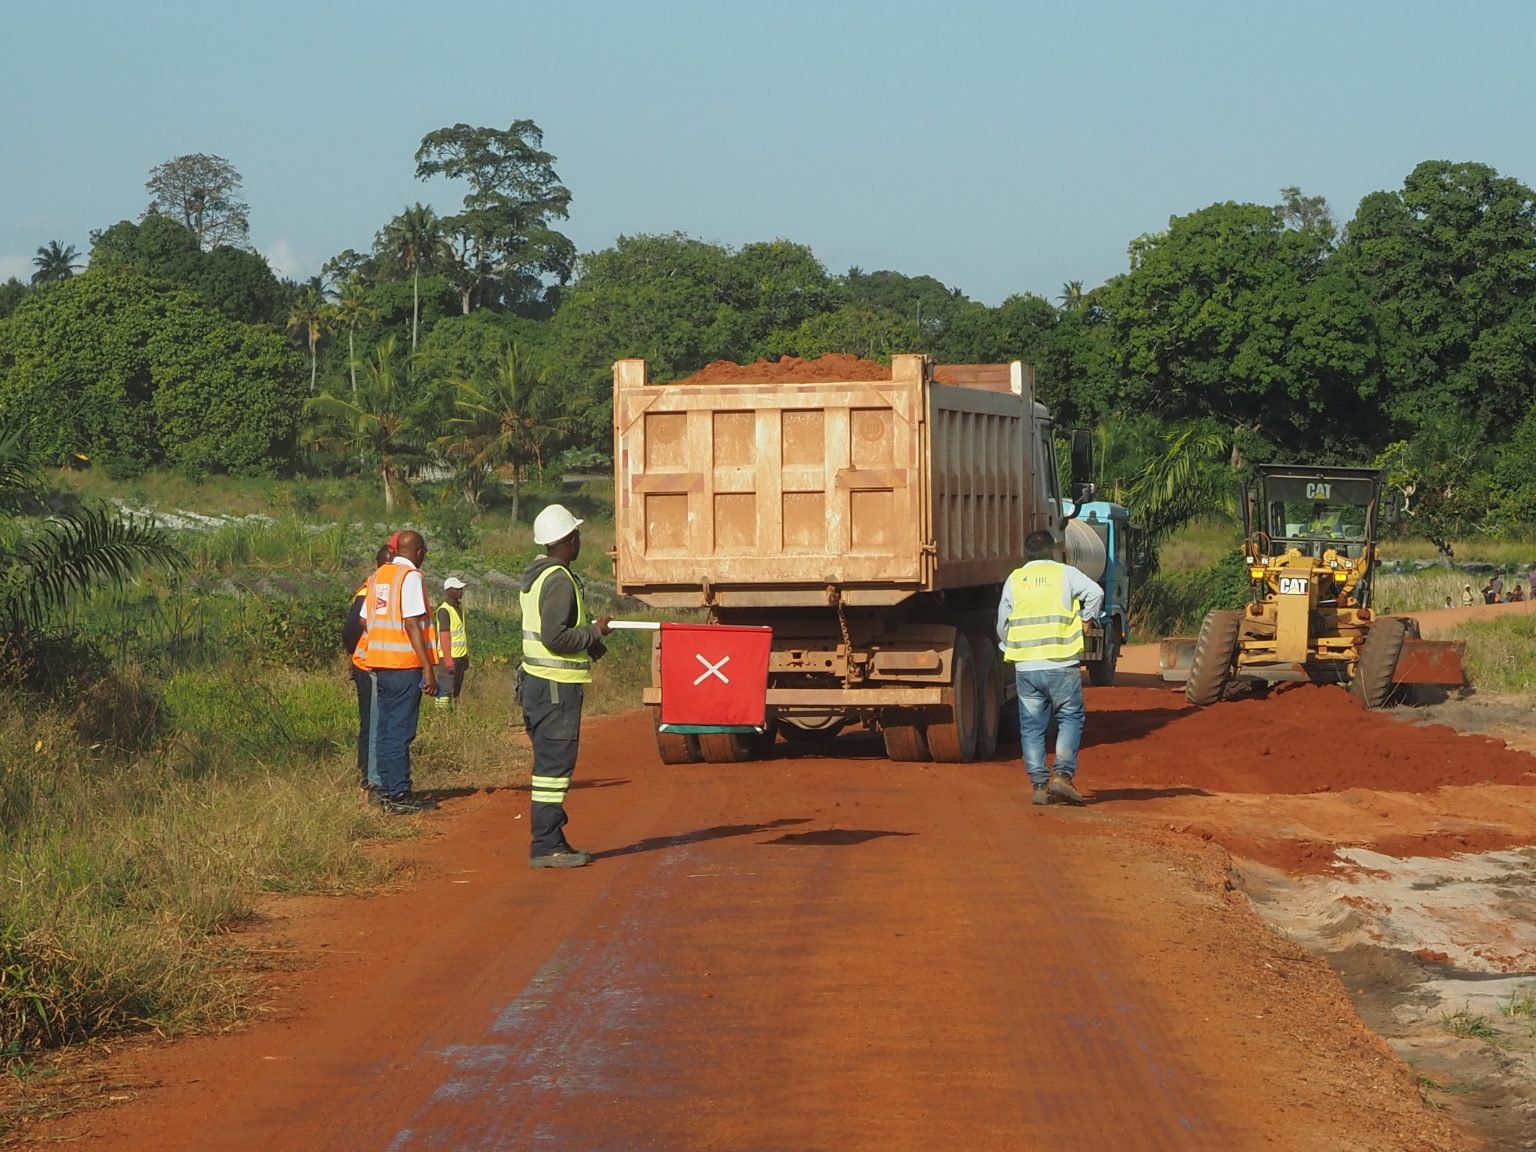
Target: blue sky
{"points": [[1001, 147]]}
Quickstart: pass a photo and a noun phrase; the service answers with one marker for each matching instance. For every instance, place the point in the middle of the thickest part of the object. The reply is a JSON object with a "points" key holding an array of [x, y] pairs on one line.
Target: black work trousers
{"points": [[552, 712]]}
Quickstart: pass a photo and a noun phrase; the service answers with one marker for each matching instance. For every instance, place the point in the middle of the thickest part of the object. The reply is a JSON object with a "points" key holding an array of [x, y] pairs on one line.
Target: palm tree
{"points": [[498, 426], [349, 312], [376, 425], [55, 261], [416, 238], [1071, 297], [1195, 475], [309, 316], [44, 566]]}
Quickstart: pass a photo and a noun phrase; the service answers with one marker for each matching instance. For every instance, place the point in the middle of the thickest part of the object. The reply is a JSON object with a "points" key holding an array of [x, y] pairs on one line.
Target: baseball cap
{"points": [[454, 582]]}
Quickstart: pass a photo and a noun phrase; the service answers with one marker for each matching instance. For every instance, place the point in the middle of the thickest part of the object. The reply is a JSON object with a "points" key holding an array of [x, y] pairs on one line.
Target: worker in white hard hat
{"points": [[559, 645], [452, 642]]}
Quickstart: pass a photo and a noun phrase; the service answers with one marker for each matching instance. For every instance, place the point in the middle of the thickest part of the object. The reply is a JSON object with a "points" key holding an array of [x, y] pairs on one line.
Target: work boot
{"points": [[560, 859], [1040, 794], [408, 804], [1061, 788]]}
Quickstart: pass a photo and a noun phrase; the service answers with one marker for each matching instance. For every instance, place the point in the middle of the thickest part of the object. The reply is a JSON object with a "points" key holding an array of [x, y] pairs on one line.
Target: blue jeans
{"points": [[396, 711], [1042, 693]]}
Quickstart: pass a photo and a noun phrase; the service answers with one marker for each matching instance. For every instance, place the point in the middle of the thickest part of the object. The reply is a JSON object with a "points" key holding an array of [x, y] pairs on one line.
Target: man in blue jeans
{"points": [[1040, 623]]}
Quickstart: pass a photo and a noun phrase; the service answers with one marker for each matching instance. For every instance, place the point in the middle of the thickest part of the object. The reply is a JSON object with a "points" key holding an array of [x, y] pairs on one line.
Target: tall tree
{"points": [[308, 318], [1447, 267], [377, 427], [1071, 298], [55, 261], [415, 238], [203, 192], [507, 245], [350, 310]]}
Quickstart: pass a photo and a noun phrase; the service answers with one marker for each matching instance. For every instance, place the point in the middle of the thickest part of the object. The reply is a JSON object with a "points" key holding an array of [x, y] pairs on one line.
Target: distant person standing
{"points": [[354, 640], [452, 642], [559, 646], [1466, 596], [402, 659], [1040, 623]]}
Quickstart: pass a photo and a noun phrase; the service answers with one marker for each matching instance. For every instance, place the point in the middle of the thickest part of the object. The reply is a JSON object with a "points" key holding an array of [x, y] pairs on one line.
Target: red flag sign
{"points": [[714, 674]]}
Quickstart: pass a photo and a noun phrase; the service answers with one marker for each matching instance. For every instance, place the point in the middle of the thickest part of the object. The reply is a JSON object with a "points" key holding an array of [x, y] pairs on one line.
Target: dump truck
{"points": [[1309, 544], [871, 523]]}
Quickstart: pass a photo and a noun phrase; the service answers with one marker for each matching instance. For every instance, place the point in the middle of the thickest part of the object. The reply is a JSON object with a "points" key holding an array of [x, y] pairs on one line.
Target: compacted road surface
{"points": [[825, 951]]}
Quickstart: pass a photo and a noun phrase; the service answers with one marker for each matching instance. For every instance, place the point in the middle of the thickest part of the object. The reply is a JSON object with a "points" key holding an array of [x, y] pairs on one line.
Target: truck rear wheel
{"points": [[904, 739], [1101, 672], [1383, 645], [989, 696], [1215, 651], [675, 747], [725, 747], [954, 741]]}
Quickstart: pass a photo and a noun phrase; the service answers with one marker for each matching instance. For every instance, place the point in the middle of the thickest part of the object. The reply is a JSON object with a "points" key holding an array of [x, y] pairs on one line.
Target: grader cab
{"points": [[1309, 542]]}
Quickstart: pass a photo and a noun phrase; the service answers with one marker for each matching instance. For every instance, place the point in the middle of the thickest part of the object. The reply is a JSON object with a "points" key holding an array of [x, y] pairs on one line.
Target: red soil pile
{"points": [[832, 367], [1301, 739]]}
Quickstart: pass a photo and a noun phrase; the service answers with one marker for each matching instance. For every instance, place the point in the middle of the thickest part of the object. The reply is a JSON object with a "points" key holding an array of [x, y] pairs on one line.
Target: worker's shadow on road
{"points": [[1108, 795], [835, 837], [717, 832], [1116, 726]]}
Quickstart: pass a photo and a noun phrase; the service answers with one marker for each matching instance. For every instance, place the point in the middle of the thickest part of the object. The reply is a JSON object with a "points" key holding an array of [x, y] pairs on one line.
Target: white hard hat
{"points": [[554, 524]]}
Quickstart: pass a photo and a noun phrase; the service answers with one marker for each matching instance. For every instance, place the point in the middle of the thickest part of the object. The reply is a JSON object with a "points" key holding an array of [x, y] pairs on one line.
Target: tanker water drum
{"points": [[1085, 549]]}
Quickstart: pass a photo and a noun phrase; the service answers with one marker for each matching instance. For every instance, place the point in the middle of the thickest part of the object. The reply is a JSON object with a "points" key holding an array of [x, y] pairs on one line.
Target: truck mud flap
{"points": [[1431, 662]]}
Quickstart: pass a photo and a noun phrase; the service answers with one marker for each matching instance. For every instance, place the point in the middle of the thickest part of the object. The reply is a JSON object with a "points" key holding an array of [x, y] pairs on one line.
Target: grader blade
{"points": [[1175, 655], [1431, 662]]}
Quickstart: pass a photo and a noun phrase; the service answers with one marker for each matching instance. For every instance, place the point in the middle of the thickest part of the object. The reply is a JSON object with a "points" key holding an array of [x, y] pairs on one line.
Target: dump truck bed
{"points": [[763, 493]]}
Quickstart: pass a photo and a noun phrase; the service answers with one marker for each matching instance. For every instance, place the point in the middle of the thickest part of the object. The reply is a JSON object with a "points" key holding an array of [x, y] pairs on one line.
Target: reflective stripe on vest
{"points": [[562, 667], [456, 625], [388, 643], [1040, 628]]}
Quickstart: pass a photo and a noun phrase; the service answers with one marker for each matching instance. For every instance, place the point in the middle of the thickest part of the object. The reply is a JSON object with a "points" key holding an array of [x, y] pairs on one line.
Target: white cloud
{"points": [[17, 266], [285, 261]]}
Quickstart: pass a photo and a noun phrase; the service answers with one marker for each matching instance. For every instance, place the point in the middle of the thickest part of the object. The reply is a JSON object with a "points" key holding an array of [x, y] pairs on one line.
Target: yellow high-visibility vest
{"points": [[460, 646], [1040, 628], [561, 667]]}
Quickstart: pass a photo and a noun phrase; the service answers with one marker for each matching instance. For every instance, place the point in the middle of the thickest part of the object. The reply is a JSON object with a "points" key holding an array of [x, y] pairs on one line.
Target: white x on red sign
{"points": [[710, 669]]}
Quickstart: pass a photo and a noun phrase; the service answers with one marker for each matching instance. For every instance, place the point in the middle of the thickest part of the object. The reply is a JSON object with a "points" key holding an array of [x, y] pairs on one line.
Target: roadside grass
{"points": [[1468, 1025], [150, 805]]}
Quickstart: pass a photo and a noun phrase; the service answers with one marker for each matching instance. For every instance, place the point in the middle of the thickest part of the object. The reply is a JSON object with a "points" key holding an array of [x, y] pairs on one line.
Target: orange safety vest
{"points": [[360, 653], [386, 644]]}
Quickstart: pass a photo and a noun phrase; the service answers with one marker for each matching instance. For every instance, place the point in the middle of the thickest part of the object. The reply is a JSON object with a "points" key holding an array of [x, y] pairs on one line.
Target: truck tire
{"points": [[1101, 672], [953, 741], [725, 747], [1215, 652], [904, 739], [1378, 661], [989, 696], [675, 747]]}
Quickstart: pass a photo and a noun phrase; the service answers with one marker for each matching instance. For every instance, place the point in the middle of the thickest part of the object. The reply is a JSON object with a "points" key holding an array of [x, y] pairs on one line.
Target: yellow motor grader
{"points": [[1309, 541]]}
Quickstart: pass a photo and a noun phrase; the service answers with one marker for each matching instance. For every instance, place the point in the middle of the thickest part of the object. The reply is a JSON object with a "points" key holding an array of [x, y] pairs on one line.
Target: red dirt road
{"points": [[810, 953]]}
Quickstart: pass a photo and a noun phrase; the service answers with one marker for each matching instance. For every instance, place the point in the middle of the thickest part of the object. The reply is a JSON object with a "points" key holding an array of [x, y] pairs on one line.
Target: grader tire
{"points": [[1378, 661], [725, 747], [989, 697], [904, 740], [1215, 652], [953, 741]]}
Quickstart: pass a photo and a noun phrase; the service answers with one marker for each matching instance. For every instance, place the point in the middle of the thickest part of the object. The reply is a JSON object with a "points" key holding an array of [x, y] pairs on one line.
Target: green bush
{"points": [[305, 630], [1173, 603]]}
